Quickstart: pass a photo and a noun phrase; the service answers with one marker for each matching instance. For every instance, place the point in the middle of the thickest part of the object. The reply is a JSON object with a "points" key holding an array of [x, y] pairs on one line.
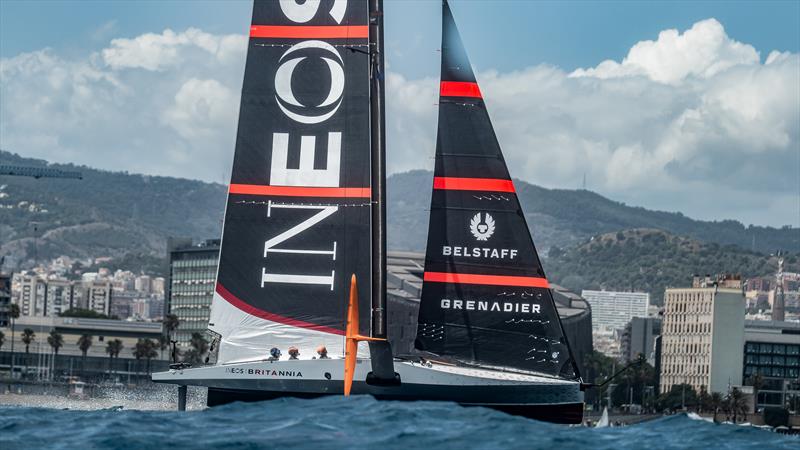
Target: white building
{"points": [[142, 284], [31, 294], [612, 311], [96, 296], [59, 297], [702, 338]]}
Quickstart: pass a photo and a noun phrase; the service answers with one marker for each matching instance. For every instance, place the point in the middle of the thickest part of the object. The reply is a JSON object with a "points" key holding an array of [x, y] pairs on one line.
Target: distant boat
{"points": [[305, 227], [603, 421]]}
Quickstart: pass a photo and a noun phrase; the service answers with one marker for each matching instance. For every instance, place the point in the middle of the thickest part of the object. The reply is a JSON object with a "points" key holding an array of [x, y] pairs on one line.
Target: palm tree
{"points": [[113, 348], [757, 381], [27, 338], [56, 341], [715, 402], [84, 343], [13, 314], [171, 323], [163, 343], [199, 348], [150, 352], [145, 348], [737, 404], [703, 399]]}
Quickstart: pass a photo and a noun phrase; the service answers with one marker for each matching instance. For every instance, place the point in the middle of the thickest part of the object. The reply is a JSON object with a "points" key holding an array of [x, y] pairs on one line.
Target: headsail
{"points": [[485, 298], [297, 220]]}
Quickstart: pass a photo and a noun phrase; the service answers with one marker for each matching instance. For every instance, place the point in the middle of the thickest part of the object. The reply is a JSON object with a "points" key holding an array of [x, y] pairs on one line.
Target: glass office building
{"points": [[193, 271], [772, 350]]}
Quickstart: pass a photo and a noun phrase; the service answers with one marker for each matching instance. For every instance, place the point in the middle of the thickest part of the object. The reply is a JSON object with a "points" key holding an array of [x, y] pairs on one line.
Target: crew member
{"points": [[274, 354], [322, 352], [293, 352]]}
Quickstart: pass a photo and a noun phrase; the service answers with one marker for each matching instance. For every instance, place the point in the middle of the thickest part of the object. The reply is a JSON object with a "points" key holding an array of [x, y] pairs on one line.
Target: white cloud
{"points": [[692, 122], [159, 103], [160, 51], [702, 51]]}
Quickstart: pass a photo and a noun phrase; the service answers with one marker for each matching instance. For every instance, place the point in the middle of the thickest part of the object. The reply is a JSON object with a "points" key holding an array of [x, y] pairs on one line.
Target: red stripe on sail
{"points": [[300, 191], [459, 89], [473, 184], [253, 311], [495, 280], [305, 31]]}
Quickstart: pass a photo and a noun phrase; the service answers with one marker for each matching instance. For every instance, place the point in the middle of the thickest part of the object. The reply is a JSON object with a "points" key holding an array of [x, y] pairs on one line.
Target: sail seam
{"points": [[459, 89], [300, 191], [495, 280], [473, 184], [307, 31]]}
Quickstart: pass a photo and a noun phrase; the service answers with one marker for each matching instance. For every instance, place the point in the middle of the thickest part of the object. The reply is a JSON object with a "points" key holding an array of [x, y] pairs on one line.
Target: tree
{"points": [[13, 314], [145, 348], [715, 402], [113, 347], [199, 348], [703, 399], [757, 381], [56, 341], [736, 404], [678, 396], [163, 343], [84, 343], [171, 323], [27, 338]]}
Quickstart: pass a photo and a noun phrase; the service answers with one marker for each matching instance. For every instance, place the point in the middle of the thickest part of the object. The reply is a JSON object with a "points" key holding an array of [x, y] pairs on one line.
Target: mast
{"points": [[378, 154]]}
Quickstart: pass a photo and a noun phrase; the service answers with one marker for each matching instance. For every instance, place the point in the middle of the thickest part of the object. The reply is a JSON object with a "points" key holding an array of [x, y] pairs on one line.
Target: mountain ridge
{"points": [[116, 214]]}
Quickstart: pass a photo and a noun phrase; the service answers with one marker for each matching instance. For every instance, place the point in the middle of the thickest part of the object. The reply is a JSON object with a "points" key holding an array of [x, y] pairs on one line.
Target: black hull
{"points": [[563, 413]]}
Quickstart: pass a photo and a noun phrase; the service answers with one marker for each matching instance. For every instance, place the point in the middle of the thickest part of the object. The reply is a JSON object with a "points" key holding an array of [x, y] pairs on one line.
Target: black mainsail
{"points": [[485, 298], [297, 220]]}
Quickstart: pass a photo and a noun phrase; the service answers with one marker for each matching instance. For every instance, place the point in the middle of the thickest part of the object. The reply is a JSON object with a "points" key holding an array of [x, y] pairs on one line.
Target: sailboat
{"points": [[302, 272]]}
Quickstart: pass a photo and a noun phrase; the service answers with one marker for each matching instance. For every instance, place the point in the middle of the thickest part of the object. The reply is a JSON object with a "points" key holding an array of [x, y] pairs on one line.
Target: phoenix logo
{"points": [[482, 230]]}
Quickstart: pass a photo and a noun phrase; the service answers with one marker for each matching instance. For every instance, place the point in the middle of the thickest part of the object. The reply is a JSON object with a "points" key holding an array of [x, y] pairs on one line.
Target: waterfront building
{"points": [[639, 338], [772, 351], [192, 276], [702, 337], [613, 310], [40, 361]]}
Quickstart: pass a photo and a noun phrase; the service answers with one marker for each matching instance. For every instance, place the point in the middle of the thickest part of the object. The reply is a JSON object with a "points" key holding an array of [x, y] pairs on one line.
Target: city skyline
{"points": [[646, 121]]}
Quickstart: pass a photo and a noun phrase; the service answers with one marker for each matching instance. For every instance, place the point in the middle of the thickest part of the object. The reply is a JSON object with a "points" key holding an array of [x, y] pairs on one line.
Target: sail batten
{"points": [[485, 297]]}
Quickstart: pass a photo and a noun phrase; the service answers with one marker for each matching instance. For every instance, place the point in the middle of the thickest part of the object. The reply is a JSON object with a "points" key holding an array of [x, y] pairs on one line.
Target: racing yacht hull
{"points": [[536, 397]]}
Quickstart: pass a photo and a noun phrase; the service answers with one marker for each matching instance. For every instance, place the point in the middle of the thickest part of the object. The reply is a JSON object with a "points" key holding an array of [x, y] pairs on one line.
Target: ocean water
{"points": [[352, 423]]}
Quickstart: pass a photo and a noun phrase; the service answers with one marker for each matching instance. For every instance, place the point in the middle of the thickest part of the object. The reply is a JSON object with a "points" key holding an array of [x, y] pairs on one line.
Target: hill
{"points": [[106, 214], [123, 215], [564, 218], [651, 260]]}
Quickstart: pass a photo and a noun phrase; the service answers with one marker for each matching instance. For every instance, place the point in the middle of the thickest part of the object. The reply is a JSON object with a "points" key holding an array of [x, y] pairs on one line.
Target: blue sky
{"points": [[664, 105], [568, 34]]}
